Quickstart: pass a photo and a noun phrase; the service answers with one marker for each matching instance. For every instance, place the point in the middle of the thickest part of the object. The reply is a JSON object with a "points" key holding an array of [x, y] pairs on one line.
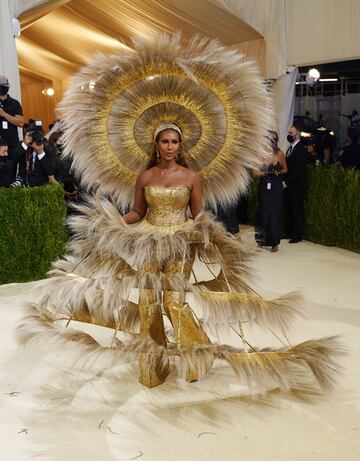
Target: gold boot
{"points": [[153, 368], [187, 330]]}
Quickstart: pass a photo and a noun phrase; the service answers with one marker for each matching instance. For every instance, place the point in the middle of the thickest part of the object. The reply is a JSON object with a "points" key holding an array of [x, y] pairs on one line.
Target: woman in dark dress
{"points": [[268, 227]]}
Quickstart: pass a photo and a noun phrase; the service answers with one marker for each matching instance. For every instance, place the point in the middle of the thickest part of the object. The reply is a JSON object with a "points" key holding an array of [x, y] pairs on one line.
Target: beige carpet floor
{"points": [[51, 411]]}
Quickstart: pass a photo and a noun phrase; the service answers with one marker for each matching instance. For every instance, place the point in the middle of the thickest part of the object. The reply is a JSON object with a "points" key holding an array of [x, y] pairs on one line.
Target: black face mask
{"points": [[290, 138], [3, 90]]}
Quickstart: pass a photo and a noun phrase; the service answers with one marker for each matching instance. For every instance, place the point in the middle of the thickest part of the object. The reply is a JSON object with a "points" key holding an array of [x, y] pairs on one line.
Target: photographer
{"points": [[36, 167]]}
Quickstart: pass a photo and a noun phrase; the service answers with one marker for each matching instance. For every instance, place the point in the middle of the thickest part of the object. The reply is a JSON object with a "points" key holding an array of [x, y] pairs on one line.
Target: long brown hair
{"points": [[180, 158], [274, 139]]}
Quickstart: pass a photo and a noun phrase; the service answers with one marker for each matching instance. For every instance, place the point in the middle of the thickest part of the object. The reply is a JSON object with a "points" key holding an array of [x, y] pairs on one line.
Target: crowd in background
{"points": [[36, 159], [282, 185]]}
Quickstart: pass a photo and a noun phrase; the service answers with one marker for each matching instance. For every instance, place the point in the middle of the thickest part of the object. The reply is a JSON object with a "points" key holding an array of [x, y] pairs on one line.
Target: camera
{"points": [[36, 138]]}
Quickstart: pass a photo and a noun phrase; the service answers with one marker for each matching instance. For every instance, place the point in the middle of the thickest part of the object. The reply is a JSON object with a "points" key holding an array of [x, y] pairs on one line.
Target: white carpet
{"points": [[52, 412]]}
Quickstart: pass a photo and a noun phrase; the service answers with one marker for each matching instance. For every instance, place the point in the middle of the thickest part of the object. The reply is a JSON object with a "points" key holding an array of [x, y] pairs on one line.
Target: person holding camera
{"points": [[37, 167], [11, 116]]}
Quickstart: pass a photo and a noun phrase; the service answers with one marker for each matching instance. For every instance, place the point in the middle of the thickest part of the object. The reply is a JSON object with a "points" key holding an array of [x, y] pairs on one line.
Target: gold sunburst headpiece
{"points": [[115, 103]]}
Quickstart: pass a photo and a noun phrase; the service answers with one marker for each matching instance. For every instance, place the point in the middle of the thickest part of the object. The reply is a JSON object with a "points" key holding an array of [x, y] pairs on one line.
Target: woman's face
{"points": [[168, 145]]}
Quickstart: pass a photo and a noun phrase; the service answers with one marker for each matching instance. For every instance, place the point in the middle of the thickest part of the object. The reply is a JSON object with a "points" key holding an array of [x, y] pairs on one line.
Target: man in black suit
{"points": [[294, 187]]}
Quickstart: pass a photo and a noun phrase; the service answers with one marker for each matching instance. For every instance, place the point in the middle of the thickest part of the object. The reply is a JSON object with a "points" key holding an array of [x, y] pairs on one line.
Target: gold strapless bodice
{"points": [[166, 205]]}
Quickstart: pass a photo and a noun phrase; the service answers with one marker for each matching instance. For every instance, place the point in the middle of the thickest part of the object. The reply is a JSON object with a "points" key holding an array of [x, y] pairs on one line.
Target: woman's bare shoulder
{"points": [[145, 176], [186, 171]]}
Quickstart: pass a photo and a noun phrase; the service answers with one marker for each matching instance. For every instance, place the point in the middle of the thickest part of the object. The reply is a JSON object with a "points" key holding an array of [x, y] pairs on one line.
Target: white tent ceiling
{"points": [[58, 43]]}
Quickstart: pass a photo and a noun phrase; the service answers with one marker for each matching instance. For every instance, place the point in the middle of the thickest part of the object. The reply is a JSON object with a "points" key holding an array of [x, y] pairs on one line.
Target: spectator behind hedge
{"points": [[34, 128], [19, 157], [63, 166], [37, 167], [350, 158], [313, 153], [6, 165]]}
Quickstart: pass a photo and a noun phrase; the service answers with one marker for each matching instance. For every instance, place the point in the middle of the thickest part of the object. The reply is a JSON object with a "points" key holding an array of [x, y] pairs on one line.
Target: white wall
{"points": [[320, 31]]}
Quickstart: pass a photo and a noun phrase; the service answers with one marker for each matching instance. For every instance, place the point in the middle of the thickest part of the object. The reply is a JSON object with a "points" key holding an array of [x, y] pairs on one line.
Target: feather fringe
{"points": [[80, 348], [289, 367], [226, 308]]}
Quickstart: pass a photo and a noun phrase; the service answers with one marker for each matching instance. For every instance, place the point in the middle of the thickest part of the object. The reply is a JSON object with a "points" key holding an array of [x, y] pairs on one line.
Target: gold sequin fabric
{"points": [[167, 205]]}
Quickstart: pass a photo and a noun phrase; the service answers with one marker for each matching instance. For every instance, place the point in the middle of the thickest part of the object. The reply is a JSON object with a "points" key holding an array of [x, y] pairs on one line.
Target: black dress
{"points": [[268, 226]]}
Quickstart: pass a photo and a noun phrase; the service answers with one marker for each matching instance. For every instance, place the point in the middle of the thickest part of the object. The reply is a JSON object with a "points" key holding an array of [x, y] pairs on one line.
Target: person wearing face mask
{"points": [[268, 226], [11, 116], [294, 186]]}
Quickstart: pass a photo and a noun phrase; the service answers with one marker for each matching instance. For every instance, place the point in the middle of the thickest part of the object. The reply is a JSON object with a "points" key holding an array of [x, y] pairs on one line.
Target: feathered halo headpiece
{"points": [[115, 104]]}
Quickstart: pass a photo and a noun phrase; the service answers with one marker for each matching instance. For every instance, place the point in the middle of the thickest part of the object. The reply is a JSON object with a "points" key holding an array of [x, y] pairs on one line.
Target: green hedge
{"points": [[32, 232], [347, 213], [332, 207], [321, 204]]}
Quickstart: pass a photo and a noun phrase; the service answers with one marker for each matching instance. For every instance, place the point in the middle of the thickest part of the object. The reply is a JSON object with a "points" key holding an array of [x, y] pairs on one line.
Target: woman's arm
{"points": [[196, 197], [138, 211], [282, 160]]}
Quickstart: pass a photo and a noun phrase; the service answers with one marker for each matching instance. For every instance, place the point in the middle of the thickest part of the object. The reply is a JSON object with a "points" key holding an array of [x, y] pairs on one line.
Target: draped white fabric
{"points": [[284, 94], [32, 10], [322, 31], [269, 19], [10, 9], [67, 37], [8, 56]]}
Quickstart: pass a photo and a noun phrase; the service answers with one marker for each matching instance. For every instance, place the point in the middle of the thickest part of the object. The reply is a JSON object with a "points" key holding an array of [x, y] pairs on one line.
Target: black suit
{"points": [[6, 171], [294, 193], [18, 157]]}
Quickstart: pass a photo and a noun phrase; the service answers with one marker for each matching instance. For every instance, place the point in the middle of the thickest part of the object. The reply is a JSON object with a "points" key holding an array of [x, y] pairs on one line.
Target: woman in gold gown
{"points": [[200, 106], [166, 190]]}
